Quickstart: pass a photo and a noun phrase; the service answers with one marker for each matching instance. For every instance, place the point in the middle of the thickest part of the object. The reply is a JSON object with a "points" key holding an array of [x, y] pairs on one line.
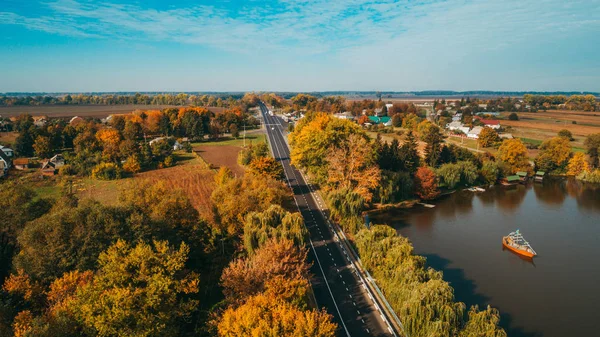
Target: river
{"points": [[557, 294]]}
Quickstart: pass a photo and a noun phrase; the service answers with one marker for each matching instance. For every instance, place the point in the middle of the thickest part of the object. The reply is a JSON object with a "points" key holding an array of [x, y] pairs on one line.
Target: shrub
{"points": [[106, 171], [590, 177], [564, 133], [513, 117]]}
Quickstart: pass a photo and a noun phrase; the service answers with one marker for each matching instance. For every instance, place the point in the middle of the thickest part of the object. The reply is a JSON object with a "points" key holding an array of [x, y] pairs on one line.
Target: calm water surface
{"points": [[555, 296]]}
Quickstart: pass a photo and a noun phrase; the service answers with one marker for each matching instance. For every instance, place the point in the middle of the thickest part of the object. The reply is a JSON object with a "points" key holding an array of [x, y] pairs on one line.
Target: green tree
{"points": [[24, 143], [273, 224], [565, 134], [138, 291], [433, 137], [483, 323]]}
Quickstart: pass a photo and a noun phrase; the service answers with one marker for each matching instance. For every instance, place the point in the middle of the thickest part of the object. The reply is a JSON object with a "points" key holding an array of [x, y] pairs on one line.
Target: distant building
{"points": [[378, 112], [40, 121], [76, 120], [344, 115], [457, 126], [387, 121], [490, 123], [389, 106]]}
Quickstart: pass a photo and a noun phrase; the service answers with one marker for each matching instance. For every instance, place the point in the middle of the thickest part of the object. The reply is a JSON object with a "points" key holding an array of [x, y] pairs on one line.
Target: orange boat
{"points": [[517, 244]]}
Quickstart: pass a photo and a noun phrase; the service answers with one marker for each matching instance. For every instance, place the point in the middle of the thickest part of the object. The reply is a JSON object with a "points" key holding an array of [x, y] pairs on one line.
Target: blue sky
{"points": [[299, 45]]}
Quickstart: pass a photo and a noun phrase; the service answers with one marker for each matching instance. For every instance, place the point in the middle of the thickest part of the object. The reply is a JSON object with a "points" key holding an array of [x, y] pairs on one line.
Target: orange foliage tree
{"points": [[426, 186], [245, 277], [352, 166]]}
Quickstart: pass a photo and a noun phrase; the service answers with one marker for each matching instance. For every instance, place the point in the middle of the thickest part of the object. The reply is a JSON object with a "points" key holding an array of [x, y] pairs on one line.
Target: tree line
{"points": [[124, 143], [121, 99]]}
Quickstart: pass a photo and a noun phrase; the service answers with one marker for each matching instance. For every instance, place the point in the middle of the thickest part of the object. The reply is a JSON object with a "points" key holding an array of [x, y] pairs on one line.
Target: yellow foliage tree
{"points": [[269, 316], [352, 166], [514, 153], [578, 164]]}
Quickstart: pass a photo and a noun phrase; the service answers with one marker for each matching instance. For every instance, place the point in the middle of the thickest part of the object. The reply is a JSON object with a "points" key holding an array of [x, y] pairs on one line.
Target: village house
{"points": [[387, 121], [40, 121], [21, 163], [176, 146], [474, 132], [378, 112], [50, 167], [389, 106], [344, 115], [76, 120], [7, 151], [457, 126], [490, 123]]}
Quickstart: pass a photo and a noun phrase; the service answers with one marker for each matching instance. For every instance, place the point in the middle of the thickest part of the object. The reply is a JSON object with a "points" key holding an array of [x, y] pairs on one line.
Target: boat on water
{"points": [[517, 244]]}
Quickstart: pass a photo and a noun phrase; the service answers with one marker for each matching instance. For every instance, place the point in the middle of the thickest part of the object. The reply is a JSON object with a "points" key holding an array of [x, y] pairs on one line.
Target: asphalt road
{"points": [[336, 286]]}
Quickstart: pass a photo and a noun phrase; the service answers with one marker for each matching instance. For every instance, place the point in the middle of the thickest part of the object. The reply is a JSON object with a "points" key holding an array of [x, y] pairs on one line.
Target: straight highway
{"points": [[336, 283]]}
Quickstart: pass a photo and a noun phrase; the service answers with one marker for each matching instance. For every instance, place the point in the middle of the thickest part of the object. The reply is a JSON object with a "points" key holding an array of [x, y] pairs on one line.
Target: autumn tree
{"points": [[592, 145], [554, 155], [352, 166], [42, 147], [246, 277], [578, 164], [138, 291], [263, 315], [110, 140], [514, 154], [426, 183], [313, 139], [488, 137], [267, 166], [239, 196]]}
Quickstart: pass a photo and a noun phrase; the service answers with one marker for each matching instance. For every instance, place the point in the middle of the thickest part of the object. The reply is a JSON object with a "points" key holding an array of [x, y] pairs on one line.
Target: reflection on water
{"points": [[555, 294]]}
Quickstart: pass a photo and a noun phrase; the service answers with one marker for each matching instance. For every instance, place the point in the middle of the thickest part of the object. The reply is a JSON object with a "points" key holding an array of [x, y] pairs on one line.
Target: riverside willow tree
{"points": [[418, 294]]}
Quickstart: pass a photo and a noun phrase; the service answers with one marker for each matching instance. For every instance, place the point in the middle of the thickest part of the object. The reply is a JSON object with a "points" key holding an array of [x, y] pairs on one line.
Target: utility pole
{"points": [[244, 134]]}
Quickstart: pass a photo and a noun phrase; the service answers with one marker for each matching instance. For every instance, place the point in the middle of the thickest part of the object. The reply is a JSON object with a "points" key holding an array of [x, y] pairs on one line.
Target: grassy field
{"points": [[99, 111], [191, 175], [8, 138], [535, 127], [229, 141]]}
